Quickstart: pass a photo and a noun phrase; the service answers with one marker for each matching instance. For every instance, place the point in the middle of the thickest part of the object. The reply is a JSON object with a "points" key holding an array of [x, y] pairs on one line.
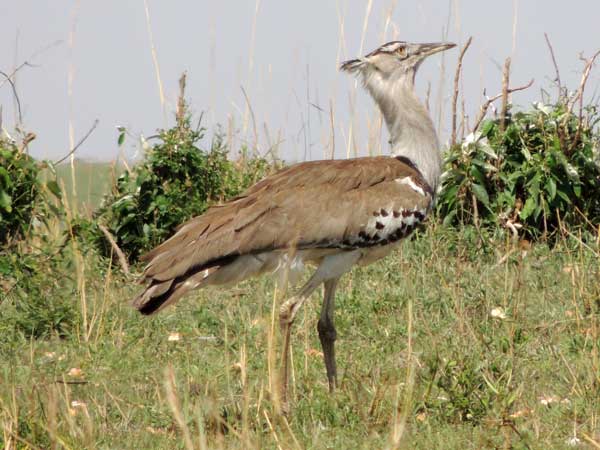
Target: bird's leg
{"points": [[327, 333], [331, 267], [287, 313]]}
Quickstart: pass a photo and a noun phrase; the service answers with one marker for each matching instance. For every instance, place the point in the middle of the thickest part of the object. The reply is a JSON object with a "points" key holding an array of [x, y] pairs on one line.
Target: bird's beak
{"points": [[428, 49]]}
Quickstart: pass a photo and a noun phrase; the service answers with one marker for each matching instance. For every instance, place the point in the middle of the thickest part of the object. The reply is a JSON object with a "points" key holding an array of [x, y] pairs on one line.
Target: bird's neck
{"points": [[411, 129]]}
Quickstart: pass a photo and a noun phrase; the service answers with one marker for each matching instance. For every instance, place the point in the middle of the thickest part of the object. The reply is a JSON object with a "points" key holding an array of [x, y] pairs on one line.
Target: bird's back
{"points": [[337, 205]]}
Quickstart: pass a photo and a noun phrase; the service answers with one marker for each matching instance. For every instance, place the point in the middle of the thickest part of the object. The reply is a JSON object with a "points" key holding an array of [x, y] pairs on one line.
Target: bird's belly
{"points": [[371, 254], [286, 265]]}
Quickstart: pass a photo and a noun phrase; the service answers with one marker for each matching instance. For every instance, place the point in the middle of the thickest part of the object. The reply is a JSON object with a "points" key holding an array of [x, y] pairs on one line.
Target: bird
{"points": [[331, 214]]}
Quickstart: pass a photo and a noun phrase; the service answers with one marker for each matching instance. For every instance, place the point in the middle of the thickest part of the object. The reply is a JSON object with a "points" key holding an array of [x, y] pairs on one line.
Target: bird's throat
{"points": [[412, 134]]}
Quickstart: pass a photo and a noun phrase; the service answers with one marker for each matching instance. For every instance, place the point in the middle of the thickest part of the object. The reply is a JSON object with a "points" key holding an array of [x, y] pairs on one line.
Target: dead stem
{"points": [[456, 83]]}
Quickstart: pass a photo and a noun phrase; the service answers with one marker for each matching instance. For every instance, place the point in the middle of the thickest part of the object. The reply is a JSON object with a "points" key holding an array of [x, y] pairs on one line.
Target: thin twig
{"points": [[505, 82], [180, 114], [26, 140], [586, 73], [566, 231], [176, 408], [332, 124], [464, 120], [14, 89], [475, 210], [558, 82], [161, 92], [489, 101], [595, 443], [83, 139], [255, 149], [32, 56], [122, 259], [14, 72], [456, 82], [275, 437]]}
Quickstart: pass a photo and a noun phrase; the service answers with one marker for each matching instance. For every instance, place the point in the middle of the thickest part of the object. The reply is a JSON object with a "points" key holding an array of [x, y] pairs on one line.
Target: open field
{"points": [[453, 342], [464, 338], [92, 181]]}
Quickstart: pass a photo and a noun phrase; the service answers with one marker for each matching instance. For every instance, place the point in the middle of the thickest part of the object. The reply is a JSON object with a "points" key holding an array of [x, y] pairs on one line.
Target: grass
{"points": [[452, 342], [92, 179]]}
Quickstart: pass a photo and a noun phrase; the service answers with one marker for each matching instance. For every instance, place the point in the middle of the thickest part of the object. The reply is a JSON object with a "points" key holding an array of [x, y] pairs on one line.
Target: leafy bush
{"points": [[543, 169], [22, 194], [176, 181], [28, 275], [37, 292], [19, 190]]}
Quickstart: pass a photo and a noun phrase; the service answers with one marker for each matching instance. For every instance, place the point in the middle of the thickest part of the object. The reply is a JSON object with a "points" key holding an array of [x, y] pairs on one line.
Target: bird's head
{"points": [[393, 60]]}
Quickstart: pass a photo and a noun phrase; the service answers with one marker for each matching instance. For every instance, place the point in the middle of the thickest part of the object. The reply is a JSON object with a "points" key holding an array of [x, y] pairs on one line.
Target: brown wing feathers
{"points": [[319, 203]]}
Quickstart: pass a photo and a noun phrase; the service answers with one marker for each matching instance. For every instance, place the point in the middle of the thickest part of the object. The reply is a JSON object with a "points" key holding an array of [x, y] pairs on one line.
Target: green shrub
{"points": [[19, 190], [28, 274], [543, 169], [176, 181], [38, 293], [22, 194]]}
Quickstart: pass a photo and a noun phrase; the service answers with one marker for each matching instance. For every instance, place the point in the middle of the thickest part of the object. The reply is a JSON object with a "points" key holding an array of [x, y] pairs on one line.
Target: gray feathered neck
{"points": [[411, 129]]}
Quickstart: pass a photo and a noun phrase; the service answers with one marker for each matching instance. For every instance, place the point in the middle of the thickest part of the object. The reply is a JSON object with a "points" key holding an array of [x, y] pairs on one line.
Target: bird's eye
{"points": [[402, 52]]}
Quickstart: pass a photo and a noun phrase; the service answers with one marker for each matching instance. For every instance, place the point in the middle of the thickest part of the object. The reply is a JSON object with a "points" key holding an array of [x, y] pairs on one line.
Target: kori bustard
{"points": [[332, 214]]}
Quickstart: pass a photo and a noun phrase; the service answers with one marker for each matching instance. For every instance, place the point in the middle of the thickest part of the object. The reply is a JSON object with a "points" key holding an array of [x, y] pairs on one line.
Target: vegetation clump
{"points": [[176, 180], [40, 288], [21, 190], [542, 170]]}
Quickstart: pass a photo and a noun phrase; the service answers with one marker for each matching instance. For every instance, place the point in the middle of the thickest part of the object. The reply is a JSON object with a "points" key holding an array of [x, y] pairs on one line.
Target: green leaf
{"points": [[476, 173], [121, 138], [481, 194], [449, 218], [5, 181], [564, 196], [551, 188], [5, 201], [487, 127], [534, 185], [53, 187], [529, 207]]}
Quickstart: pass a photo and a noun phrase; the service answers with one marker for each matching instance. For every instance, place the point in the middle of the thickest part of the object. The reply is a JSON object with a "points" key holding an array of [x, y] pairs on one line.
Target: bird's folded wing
{"points": [[321, 204]]}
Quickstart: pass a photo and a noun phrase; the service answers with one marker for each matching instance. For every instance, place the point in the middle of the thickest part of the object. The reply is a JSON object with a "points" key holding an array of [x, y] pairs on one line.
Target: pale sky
{"points": [[285, 55]]}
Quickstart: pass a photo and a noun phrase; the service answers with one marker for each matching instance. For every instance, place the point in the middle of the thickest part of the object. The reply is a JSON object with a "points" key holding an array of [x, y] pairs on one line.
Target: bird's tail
{"points": [[157, 295]]}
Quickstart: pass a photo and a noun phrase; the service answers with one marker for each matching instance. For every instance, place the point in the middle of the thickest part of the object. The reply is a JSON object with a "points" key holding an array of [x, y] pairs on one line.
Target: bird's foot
{"points": [[287, 312]]}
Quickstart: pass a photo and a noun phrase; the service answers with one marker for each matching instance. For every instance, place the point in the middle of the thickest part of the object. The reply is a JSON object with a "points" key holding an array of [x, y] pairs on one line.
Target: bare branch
{"points": [[34, 55], [589, 63], [83, 139], [505, 82], [26, 140], [428, 96], [14, 89], [486, 105], [332, 125], [558, 82], [111, 240], [456, 82], [584, 77], [255, 149], [180, 114], [10, 76]]}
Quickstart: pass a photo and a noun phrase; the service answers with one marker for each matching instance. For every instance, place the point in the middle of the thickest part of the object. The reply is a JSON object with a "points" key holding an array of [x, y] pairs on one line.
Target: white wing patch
{"points": [[387, 223], [409, 182]]}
